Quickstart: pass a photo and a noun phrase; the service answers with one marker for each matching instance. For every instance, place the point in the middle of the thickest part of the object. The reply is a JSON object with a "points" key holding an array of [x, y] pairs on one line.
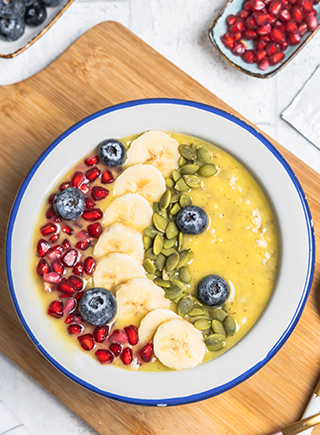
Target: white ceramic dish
{"points": [[296, 266]]}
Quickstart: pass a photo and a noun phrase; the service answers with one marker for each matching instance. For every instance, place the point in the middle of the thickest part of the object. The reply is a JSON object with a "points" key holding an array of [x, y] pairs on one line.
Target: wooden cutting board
{"points": [[109, 65]]}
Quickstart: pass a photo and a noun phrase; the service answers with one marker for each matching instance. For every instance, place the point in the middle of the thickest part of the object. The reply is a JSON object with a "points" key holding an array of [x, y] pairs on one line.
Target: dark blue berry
{"points": [[11, 29], [11, 8], [35, 15], [69, 203], [213, 290], [52, 2], [30, 2], [98, 306], [112, 153], [192, 220]]}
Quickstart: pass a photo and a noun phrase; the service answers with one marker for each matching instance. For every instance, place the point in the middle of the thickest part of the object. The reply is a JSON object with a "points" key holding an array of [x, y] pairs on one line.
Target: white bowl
{"points": [[296, 264]]}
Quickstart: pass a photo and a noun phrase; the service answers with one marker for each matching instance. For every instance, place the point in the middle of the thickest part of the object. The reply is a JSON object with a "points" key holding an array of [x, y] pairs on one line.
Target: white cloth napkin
{"points": [[9, 423], [304, 111]]}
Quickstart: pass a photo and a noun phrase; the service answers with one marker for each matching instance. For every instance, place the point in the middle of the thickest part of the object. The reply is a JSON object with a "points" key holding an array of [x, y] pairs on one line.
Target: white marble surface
{"points": [[178, 30]]}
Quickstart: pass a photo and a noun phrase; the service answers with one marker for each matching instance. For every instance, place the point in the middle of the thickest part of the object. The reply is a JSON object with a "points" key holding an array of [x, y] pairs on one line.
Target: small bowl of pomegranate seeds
{"points": [[259, 37]]}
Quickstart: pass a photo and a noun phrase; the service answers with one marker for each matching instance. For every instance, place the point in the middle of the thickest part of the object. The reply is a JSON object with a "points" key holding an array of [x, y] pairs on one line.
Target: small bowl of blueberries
{"points": [[23, 22]]}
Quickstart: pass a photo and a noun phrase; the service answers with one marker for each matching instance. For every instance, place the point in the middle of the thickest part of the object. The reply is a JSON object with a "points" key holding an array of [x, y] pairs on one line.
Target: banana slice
{"points": [[129, 209], [155, 148], [120, 238], [150, 323], [116, 269], [137, 297], [178, 344], [143, 179]]}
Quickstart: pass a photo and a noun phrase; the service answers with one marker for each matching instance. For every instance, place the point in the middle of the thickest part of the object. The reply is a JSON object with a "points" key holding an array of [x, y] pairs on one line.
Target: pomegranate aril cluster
{"points": [[272, 26]]}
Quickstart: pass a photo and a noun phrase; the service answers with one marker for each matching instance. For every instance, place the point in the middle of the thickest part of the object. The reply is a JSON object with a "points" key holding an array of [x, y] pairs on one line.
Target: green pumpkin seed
{"points": [[151, 276], [185, 200], [197, 311], [182, 161], [175, 175], [168, 243], [165, 199], [175, 209], [172, 230], [185, 305], [150, 254], [217, 346], [187, 152], [158, 273], [192, 181], [169, 183], [150, 232], [193, 319], [160, 262], [172, 261], [185, 257], [180, 240], [167, 252], [202, 324], [229, 325], [180, 284], [148, 265], [203, 155], [158, 244], [162, 283], [213, 339], [196, 301], [189, 169], [173, 293], [207, 170], [184, 274], [175, 198], [155, 207], [147, 242], [160, 222], [167, 275], [218, 327], [218, 314], [176, 300], [181, 185]]}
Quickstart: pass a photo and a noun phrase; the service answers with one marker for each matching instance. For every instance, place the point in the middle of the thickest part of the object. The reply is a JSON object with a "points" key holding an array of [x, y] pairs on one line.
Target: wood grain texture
{"points": [[109, 65]]}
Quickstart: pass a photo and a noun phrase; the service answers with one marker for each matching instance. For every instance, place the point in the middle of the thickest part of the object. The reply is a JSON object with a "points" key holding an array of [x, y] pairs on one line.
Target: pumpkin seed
{"points": [[172, 261], [160, 222], [165, 199], [192, 181], [175, 197], [197, 311], [155, 207], [218, 314], [185, 200], [185, 257], [218, 327], [189, 169], [168, 252], [176, 300], [169, 183], [229, 325], [151, 276], [148, 265], [180, 240], [184, 274], [160, 262], [196, 301], [203, 155], [195, 318], [180, 284], [158, 273], [150, 232], [207, 170], [147, 242], [175, 209], [213, 339], [162, 283], [202, 324], [175, 175], [217, 346], [149, 254], [187, 152], [167, 275], [158, 244], [185, 306], [168, 243], [182, 161], [172, 230], [181, 185], [173, 292]]}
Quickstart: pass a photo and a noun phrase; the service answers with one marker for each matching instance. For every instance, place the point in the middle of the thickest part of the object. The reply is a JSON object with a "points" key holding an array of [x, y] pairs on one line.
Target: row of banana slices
{"points": [[120, 252]]}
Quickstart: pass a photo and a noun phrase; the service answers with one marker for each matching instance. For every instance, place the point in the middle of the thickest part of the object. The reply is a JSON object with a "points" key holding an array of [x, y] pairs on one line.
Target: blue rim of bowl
{"points": [[222, 388]]}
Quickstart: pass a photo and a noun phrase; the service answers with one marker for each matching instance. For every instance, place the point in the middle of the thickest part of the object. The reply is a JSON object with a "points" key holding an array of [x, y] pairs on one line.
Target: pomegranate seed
{"points": [[312, 22], [259, 45], [85, 189], [77, 318], [82, 235], [55, 252], [238, 49], [250, 23], [277, 35], [66, 244], [250, 34], [285, 15], [227, 40], [118, 336], [237, 26], [261, 55], [291, 26], [69, 319], [264, 30], [272, 19], [115, 348], [272, 48], [258, 5], [93, 173], [275, 7], [51, 198], [92, 215], [50, 213], [100, 333], [76, 282], [66, 287], [89, 203], [230, 19], [48, 229], [71, 305], [56, 219], [312, 12], [43, 267], [78, 179], [89, 265], [94, 229], [78, 269], [146, 352], [107, 176], [303, 28], [86, 341], [64, 185], [261, 18], [249, 56], [297, 14], [83, 244], [104, 356], [57, 267], [247, 5], [276, 58], [237, 36], [69, 258], [284, 45], [243, 14], [132, 333], [294, 38], [306, 5], [79, 295], [266, 38], [54, 238], [99, 192], [52, 277], [67, 230], [264, 64], [126, 356], [75, 329], [91, 161], [56, 309]]}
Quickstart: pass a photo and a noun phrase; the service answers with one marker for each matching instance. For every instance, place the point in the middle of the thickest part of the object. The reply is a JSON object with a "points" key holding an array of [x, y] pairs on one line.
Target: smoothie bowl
{"points": [[159, 240]]}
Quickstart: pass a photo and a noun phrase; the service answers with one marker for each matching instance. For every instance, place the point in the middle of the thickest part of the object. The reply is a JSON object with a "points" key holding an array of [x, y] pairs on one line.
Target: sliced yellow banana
{"points": [[178, 344], [120, 238], [155, 148], [129, 209], [137, 297], [150, 323], [115, 269], [143, 179]]}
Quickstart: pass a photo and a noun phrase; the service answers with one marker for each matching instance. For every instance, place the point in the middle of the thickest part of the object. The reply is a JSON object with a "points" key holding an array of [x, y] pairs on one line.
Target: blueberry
{"points": [[52, 2], [11, 8], [11, 29], [98, 306], [35, 15], [69, 203], [30, 2], [112, 152], [213, 290], [192, 220]]}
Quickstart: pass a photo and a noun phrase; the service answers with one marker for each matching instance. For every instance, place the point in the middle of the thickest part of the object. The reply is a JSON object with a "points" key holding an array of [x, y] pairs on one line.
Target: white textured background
{"points": [[178, 30]]}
